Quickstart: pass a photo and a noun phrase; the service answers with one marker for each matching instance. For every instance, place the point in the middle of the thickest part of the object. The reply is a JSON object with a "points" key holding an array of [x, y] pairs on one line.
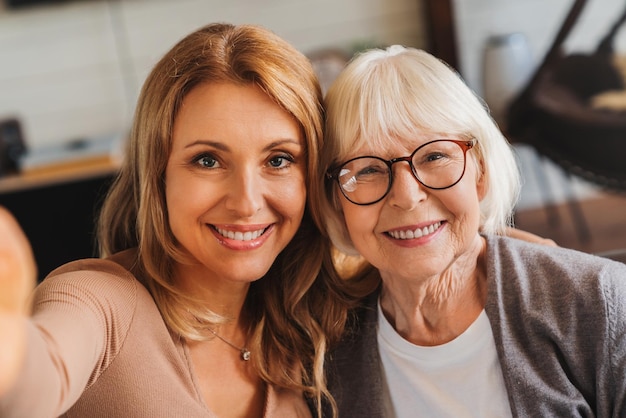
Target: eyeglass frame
{"points": [[465, 145]]}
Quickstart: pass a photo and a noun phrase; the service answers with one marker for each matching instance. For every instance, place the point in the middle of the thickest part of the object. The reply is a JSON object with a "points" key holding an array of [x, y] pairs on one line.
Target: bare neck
{"points": [[438, 309]]}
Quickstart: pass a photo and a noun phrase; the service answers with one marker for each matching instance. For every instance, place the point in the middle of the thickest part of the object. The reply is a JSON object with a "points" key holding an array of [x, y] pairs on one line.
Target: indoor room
{"points": [[72, 70]]}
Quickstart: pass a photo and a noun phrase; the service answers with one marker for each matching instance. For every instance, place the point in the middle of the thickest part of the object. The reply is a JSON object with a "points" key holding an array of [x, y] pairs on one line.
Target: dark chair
{"points": [[553, 113]]}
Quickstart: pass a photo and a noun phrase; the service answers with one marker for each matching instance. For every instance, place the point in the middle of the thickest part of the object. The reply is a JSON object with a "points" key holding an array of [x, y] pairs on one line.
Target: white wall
{"points": [[538, 20], [74, 70]]}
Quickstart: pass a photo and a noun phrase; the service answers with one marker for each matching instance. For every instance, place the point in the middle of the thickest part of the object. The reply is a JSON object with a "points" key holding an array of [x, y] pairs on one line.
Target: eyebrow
{"points": [[224, 147]]}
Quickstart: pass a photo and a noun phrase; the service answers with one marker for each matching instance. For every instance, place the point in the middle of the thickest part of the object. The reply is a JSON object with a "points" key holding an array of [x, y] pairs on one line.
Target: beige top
{"points": [[98, 347]]}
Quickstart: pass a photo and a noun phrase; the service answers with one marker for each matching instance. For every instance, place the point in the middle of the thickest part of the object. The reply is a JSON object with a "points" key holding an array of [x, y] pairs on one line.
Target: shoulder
{"points": [[116, 266], [512, 255], [359, 335], [545, 274], [364, 316], [557, 317], [95, 284]]}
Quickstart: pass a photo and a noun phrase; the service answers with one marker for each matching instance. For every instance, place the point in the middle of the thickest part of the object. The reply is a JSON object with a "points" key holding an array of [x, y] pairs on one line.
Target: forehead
{"points": [[393, 146], [233, 112]]}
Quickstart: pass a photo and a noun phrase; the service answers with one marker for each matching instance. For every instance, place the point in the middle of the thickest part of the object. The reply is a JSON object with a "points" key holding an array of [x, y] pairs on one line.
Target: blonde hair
{"points": [[287, 308], [389, 93]]}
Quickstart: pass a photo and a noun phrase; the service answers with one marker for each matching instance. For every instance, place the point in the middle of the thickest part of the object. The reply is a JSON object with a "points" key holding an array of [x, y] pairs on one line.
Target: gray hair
{"points": [[391, 93]]}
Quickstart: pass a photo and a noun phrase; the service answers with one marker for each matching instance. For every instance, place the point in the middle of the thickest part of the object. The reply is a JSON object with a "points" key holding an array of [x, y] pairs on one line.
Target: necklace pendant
{"points": [[245, 354]]}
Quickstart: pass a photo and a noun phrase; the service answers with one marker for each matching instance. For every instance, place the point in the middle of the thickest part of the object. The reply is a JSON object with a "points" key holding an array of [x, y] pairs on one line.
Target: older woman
{"points": [[456, 319]]}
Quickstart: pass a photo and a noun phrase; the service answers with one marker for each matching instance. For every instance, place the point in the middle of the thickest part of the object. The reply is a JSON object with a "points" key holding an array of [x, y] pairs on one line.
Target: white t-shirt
{"points": [[461, 378]]}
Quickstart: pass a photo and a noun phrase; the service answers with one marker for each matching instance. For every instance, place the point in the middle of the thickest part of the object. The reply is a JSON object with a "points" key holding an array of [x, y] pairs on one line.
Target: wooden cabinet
{"points": [[57, 208]]}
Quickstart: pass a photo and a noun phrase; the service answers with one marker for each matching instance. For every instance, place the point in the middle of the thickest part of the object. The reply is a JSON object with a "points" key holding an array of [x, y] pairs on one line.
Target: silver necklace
{"points": [[245, 353]]}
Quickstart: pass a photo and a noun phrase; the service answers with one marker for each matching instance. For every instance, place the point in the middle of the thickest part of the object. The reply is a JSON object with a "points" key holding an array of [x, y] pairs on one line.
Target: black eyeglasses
{"points": [[437, 164]]}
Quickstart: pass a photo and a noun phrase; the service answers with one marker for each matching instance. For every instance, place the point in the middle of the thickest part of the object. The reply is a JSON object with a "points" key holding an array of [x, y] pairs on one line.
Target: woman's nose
{"points": [[405, 191], [245, 195]]}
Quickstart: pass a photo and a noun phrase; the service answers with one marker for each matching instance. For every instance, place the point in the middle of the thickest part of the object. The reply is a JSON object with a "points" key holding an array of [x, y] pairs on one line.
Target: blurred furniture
{"points": [[441, 31], [555, 113], [327, 64], [57, 206], [12, 145]]}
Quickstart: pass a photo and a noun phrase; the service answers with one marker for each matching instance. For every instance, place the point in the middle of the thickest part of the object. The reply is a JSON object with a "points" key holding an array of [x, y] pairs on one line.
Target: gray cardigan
{"points": [[559, 323]]}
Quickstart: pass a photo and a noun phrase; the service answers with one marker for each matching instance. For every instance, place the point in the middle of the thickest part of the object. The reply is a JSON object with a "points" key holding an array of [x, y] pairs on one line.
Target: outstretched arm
{"points": [[17, 280]]}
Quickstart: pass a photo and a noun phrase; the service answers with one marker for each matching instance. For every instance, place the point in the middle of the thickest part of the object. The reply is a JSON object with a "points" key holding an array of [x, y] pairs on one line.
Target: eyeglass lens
{"points": [[437, 165]]}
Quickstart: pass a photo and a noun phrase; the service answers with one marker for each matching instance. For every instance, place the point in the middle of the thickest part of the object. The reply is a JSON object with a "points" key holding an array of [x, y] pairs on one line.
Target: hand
{"points": [[529, 236], [17, 280]]}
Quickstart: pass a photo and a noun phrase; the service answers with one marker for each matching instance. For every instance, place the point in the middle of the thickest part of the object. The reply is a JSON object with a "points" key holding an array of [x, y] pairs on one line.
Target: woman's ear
{"points": [[482, 185]]}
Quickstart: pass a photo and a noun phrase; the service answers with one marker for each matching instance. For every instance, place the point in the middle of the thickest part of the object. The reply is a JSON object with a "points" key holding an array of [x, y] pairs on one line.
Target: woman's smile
{"points": [[247, 237], [419, 232]]}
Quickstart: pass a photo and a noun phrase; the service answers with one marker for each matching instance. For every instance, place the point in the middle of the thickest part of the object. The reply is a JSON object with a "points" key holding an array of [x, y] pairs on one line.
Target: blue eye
{"points": [[281, 161], [206, 161]]}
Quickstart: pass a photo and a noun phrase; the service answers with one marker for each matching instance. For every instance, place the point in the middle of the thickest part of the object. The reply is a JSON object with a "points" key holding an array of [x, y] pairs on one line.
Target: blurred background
{"points": [[70, 73]]}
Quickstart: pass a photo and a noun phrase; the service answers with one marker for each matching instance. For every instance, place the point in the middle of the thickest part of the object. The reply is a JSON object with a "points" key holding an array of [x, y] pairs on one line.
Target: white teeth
{"points": [[240, 236], [417, 233]]}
